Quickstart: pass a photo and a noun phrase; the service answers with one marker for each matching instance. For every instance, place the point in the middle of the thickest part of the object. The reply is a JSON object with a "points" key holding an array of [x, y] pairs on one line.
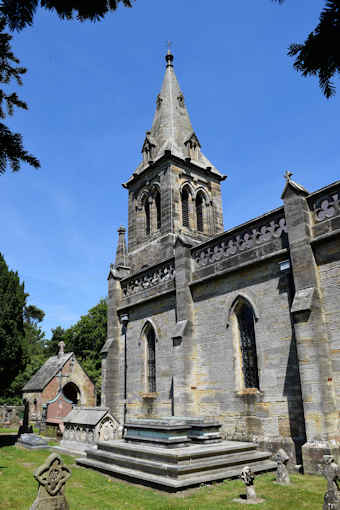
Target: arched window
{"points": [[150, 359], [185, 208], [199, 212], [147, 216], [71, 392], [245, 320], [158, 209]]}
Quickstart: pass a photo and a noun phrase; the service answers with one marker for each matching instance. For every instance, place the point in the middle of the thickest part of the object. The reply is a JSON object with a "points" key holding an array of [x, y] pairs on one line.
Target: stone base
{"points": [[72, 448], [175, 469], [32, 442], [293, 449], [50, 503], [313, 452], [246, 501]]}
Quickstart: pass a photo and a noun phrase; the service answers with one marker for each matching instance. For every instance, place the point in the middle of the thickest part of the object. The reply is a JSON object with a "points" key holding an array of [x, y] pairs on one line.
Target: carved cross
{"points": [[288, 175], [60, 377]]}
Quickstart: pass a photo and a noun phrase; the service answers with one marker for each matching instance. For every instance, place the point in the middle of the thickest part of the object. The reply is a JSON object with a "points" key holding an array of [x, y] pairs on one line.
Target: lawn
{"points": [[89, 490]]}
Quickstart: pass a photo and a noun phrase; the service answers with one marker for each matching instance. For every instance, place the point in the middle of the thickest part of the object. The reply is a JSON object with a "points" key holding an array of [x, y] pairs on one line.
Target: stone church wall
{"points": [[217, 390], [328, 258], [161, 314]]}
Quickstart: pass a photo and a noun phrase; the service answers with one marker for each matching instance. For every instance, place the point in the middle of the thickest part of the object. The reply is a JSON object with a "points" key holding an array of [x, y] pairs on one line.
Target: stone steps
{"points": [[174, 470]]}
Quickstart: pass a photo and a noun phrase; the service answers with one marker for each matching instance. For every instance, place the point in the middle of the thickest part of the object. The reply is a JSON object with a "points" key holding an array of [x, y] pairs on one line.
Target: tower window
{"points": [[245, 319], [147, 216], [158, 209], [199, 212], [185, 208]]}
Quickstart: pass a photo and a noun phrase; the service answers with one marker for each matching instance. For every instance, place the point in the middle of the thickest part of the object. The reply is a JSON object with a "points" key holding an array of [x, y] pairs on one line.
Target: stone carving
{"points": [[331, 472], [149, 278], [228, 245], [51, 477], [25, 427], [180, 100], [159, 101], [282, 475], [107, 430], [248, 477], [327, 207]]}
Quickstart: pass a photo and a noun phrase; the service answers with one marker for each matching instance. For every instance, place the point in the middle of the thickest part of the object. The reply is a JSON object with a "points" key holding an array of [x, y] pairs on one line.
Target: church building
{"points": [[240, 325]]}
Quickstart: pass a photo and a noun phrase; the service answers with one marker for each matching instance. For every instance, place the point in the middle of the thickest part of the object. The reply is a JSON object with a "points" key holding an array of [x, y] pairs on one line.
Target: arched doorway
{"points": [[71, 392]]}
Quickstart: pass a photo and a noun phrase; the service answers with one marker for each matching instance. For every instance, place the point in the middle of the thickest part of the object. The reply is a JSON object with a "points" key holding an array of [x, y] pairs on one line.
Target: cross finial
{"points": [[169, 56], [61, 346], [288, 175]]}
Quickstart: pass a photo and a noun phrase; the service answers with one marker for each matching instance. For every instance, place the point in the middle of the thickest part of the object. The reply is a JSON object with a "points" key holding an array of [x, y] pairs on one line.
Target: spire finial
{"points": [[169, 56]]}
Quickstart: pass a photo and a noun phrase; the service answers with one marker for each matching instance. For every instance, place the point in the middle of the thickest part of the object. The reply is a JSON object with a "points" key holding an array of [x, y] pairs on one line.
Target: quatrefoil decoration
{"points": [[53, 474]]}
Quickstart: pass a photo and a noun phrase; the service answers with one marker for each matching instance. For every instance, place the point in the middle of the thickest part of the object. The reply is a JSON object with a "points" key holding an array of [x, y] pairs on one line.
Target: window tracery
{"points": [[245, 321]]}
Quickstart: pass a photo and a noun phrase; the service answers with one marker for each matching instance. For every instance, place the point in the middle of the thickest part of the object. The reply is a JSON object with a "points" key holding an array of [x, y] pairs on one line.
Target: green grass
{"points": [[89, 490], [14, 430]]}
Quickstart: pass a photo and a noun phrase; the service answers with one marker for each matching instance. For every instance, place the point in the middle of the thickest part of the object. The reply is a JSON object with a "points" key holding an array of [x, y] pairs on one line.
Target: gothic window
{"points": [[185, 208], [147, 216], [151, 360], [199, 212], [245, 320], [158, 209]]}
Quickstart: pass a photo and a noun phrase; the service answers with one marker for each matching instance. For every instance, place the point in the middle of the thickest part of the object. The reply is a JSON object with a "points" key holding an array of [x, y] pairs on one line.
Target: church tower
{"points": [[175, 189]]}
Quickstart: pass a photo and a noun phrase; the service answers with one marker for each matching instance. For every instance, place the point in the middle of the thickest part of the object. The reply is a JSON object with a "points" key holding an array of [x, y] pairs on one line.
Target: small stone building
{"points": [[58, 386], [240, 325]]}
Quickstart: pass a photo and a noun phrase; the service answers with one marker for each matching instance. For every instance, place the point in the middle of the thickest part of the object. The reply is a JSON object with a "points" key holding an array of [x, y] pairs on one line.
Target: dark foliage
{"points": [[319, 55], [12, 152], [12, 302], [22, 342], [20, 13], [85, 339]]}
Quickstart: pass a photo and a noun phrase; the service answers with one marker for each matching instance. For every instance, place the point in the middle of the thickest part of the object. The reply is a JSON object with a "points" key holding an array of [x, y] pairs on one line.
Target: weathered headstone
{"points": [[25, 427], [331, 472], [51, 476], [248, 477], [282, 475]]}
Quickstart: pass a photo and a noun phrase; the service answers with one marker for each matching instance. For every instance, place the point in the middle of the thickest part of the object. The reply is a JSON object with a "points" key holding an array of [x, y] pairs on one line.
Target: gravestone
{"points": [[84, 426], [26, 438], [331, 472], [51, 476], [248, 477], [25, 427], [32, 442], [282, 475]]}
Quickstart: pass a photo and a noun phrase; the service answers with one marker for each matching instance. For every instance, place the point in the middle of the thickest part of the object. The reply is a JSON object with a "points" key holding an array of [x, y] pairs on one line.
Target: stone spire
{"points": [[171, 126], [121, 253], [171, 129]]}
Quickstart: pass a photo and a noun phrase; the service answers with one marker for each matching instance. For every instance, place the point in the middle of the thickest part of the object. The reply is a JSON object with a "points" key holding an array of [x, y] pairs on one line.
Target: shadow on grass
{"points": [[8, 439]]}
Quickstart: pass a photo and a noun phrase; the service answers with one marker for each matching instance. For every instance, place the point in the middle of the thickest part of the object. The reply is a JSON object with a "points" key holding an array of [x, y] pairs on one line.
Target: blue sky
{"points": [[91, 89]]}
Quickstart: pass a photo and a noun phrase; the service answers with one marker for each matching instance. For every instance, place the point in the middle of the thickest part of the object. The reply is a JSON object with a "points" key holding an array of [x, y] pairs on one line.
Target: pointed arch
{"points": [[199, 204], [185, 197], [157, 198], [150, 337], [242, 316], [147, 213]]}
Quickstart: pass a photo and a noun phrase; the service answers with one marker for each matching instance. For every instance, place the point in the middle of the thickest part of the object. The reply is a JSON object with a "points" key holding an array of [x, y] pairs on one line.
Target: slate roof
{"points": [[44, 375], [86, 415], [171, 127]]}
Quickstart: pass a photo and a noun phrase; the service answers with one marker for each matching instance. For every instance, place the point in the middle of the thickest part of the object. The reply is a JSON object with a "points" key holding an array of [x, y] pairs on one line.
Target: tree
{"points": [[12, 152], [85, 339], [319, 55], [20, 13], [12, 302]]}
